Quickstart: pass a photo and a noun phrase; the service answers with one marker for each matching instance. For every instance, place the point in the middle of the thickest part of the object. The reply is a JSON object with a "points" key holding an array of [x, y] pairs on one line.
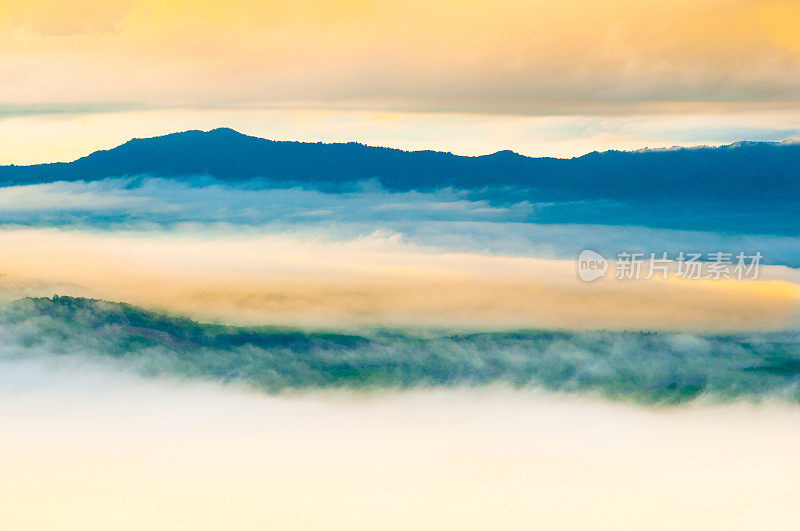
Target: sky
{"points": [[542, 78]]}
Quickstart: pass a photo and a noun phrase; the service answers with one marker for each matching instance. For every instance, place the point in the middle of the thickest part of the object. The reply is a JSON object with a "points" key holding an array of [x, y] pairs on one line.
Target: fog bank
{"points": [[103, 450]]}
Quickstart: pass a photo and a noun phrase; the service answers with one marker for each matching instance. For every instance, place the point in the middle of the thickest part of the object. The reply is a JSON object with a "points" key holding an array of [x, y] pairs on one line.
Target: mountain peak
{"points": [[733, 173], [224, 131]]}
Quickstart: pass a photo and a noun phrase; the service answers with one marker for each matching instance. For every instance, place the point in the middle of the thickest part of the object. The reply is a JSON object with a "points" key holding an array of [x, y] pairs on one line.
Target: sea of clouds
{"points": [[451, 220]]}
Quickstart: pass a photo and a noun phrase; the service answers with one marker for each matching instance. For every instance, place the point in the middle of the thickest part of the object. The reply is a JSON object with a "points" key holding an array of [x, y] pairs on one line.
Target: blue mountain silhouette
{"points": [[747, 187], [742, 172]]}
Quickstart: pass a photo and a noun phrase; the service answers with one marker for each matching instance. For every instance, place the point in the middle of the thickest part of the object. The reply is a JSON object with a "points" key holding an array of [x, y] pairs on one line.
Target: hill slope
{"points": [[739, 173], [646, 367]]}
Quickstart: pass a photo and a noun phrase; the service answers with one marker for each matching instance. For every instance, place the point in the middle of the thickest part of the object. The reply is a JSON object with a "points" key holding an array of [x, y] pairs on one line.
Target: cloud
{"points": [[97, 448], [445, 220], [364, 256], [575, 57], [374, 280]]}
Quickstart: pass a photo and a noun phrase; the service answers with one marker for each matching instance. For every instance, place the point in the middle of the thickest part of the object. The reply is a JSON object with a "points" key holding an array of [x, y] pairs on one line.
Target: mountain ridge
{"points": [[653, 371], [230, 131], [739, 172]]}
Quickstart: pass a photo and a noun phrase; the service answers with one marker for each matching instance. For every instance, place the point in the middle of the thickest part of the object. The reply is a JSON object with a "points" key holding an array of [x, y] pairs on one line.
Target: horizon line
{"points": [[676, 147]]}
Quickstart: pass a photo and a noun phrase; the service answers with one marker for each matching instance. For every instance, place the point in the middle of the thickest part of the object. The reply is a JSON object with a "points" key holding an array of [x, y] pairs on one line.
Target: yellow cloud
{"points": [[505, 56], [372, 281]]}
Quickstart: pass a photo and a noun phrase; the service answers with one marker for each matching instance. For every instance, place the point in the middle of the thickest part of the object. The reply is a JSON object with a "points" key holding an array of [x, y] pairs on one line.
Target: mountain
{"points": [[663, 368], [742, 173]]}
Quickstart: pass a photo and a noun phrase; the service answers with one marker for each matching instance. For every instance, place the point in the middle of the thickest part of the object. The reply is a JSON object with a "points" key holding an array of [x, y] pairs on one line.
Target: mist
{"points": [[103, 449], [374, 280]]}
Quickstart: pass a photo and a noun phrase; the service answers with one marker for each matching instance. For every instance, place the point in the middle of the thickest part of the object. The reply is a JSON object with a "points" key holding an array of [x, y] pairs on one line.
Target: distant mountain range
{"points": [[742, 173]]}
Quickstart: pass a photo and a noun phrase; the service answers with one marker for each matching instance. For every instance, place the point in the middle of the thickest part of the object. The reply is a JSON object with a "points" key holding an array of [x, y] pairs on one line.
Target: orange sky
{"points": [[505, 56], [598, 61]]}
